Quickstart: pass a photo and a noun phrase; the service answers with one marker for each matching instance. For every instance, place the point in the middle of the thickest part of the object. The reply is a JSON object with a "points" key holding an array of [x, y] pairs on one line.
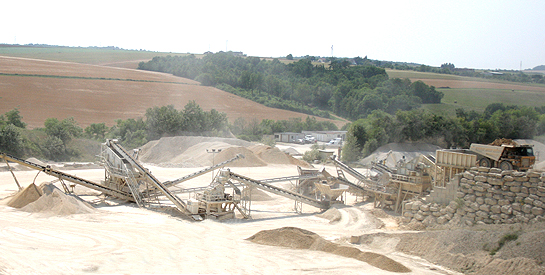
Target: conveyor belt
{"points": [[368, 184], [300, 177], [77, 180], [279, 191], [117, 149], [204, 171]]}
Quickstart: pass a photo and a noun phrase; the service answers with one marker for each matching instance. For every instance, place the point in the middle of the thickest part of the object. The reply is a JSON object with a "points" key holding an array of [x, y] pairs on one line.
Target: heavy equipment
{"points": [[505, 154]]}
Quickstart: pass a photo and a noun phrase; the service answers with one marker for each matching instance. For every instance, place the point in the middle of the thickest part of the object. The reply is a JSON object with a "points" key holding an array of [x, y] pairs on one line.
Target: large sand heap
{"points": [[49, 199], [194, 151], [297, 238], [394, 152]]}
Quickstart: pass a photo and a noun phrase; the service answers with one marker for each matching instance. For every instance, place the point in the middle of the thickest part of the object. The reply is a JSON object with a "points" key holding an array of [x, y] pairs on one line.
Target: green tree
{"points": [[131, 133], [11, 141], [163, 121], [14, 117], [65, 130], [96, 131], [54, 148], [193, 117]]}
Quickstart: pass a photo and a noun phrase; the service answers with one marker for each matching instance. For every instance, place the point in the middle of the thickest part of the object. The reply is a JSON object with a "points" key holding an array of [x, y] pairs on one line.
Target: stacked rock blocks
{"points": [[486, 195]]}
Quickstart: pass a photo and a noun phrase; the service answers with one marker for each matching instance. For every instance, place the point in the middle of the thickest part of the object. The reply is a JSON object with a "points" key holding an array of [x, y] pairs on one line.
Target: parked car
{"points": [[335, 141], [310, 139]]}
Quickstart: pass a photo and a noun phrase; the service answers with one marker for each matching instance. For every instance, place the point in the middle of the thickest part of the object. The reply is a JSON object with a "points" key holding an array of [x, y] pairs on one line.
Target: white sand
{"points": [[125, 239]]}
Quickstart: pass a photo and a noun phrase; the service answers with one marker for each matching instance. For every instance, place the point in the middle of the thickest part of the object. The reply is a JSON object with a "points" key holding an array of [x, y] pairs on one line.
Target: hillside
{"points": [[106, 56], [473, 93], [112, 70], [92, 94]]}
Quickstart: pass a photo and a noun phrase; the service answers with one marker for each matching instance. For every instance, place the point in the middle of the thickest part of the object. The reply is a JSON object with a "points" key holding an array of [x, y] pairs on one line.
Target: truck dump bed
{"points": [[489, 151]]}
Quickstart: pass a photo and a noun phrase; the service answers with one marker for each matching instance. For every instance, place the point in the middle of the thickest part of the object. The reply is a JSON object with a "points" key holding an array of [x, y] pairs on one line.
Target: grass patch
{"points": [[426, 75], [93, 55], [503, 240], [478, 99]]}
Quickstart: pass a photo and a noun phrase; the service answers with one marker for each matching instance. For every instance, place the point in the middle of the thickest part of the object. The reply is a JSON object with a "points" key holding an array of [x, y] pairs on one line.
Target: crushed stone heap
{"points": [[298, 238], [49, 199]]}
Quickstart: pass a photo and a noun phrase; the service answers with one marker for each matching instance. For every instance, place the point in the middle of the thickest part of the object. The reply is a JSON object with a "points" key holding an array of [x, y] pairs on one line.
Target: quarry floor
{"points": [[119, 237]]}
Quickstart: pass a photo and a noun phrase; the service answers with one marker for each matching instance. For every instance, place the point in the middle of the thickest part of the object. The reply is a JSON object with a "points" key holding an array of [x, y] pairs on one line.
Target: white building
{"points": [[288, 137], [326, 136]]}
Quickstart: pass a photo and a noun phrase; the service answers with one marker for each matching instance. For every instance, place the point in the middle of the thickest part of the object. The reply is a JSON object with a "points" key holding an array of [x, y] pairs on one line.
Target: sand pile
{"points": [[51, 201], [30, 194], [291, 151], [173, 149], [260, 195], [332, 214], [250, 159], [393, 152], [297, 238], [192, 152]]}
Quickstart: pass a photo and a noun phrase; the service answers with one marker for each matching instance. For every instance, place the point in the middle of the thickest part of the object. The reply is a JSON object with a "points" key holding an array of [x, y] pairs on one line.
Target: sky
{"points": [[479, 34]]}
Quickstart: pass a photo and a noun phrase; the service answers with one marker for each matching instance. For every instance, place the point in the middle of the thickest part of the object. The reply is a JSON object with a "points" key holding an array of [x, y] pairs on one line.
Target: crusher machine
{"points": [[127, 179]]}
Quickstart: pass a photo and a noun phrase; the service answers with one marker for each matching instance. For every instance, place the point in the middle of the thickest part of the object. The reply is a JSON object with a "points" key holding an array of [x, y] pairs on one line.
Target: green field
{"points": [[478, 99], [424, 75], [91, 55]]}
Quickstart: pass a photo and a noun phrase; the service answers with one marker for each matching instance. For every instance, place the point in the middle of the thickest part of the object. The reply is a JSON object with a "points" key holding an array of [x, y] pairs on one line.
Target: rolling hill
{"points": [[93, 93], [102, 85], [473, 93]]}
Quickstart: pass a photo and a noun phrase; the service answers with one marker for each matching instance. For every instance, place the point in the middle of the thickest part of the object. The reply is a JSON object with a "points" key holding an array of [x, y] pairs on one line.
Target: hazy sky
{"points": [[475, 34]]}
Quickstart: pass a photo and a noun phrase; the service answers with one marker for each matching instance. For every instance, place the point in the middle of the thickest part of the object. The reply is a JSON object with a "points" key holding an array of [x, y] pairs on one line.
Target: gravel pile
{"points": [[297, 238]]}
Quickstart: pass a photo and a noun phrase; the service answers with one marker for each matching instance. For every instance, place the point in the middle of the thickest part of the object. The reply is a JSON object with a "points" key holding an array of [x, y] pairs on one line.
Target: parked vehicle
{"points": [[504, 154], [310, 139], [335, 141]]}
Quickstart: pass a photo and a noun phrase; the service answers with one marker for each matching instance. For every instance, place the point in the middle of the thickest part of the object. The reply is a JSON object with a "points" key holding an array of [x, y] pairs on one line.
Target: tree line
{"points": [[496, 121], [347, 90], [54, 140]]}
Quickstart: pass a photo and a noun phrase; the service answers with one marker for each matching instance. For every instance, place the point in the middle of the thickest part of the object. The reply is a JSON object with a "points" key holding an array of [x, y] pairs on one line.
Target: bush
{"points": [[314, 153], [11, 141]]}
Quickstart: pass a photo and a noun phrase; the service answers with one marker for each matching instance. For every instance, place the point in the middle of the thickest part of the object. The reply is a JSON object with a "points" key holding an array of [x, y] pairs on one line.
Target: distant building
{"points": [[326, 136], [492, 73], [288, 137], [238, 54]]}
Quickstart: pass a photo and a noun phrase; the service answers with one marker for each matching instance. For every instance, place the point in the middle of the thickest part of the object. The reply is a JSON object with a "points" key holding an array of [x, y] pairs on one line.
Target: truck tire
{"points": [[485, 162], [506, 165]]}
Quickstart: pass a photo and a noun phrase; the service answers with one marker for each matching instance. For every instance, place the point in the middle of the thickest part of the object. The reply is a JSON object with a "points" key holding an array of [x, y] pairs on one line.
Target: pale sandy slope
{"points": [[126, 239]]}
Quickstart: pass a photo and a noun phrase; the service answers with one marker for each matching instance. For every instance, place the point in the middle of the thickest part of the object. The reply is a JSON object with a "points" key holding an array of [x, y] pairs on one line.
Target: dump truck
{"points": [[505, 154]]}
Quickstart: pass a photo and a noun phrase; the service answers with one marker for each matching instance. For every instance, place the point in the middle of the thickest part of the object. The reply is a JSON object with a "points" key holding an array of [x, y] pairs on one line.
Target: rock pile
{"points": [[297, 238], [486, 195]]}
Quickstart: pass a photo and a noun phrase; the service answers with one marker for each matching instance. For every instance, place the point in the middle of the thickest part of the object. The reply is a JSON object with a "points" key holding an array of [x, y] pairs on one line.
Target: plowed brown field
{"points": [[110, 93]]}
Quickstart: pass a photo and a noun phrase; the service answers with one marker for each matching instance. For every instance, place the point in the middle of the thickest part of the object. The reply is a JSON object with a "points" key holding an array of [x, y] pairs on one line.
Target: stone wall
{"points": [[444, 195], [485, 196]]}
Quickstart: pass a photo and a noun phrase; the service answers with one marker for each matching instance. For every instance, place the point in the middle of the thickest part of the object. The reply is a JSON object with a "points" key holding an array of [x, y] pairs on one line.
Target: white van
{"points": [[335, 141]]}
